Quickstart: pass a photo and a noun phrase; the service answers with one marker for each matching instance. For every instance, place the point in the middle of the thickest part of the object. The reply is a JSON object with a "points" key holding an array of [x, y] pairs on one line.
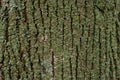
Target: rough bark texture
{"points": [[60, 40]]}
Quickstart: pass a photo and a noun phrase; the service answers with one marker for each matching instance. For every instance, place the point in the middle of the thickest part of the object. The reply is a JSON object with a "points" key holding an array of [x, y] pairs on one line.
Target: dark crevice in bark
{"points": [[71, 29], [77, 61], [100, 55]]}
